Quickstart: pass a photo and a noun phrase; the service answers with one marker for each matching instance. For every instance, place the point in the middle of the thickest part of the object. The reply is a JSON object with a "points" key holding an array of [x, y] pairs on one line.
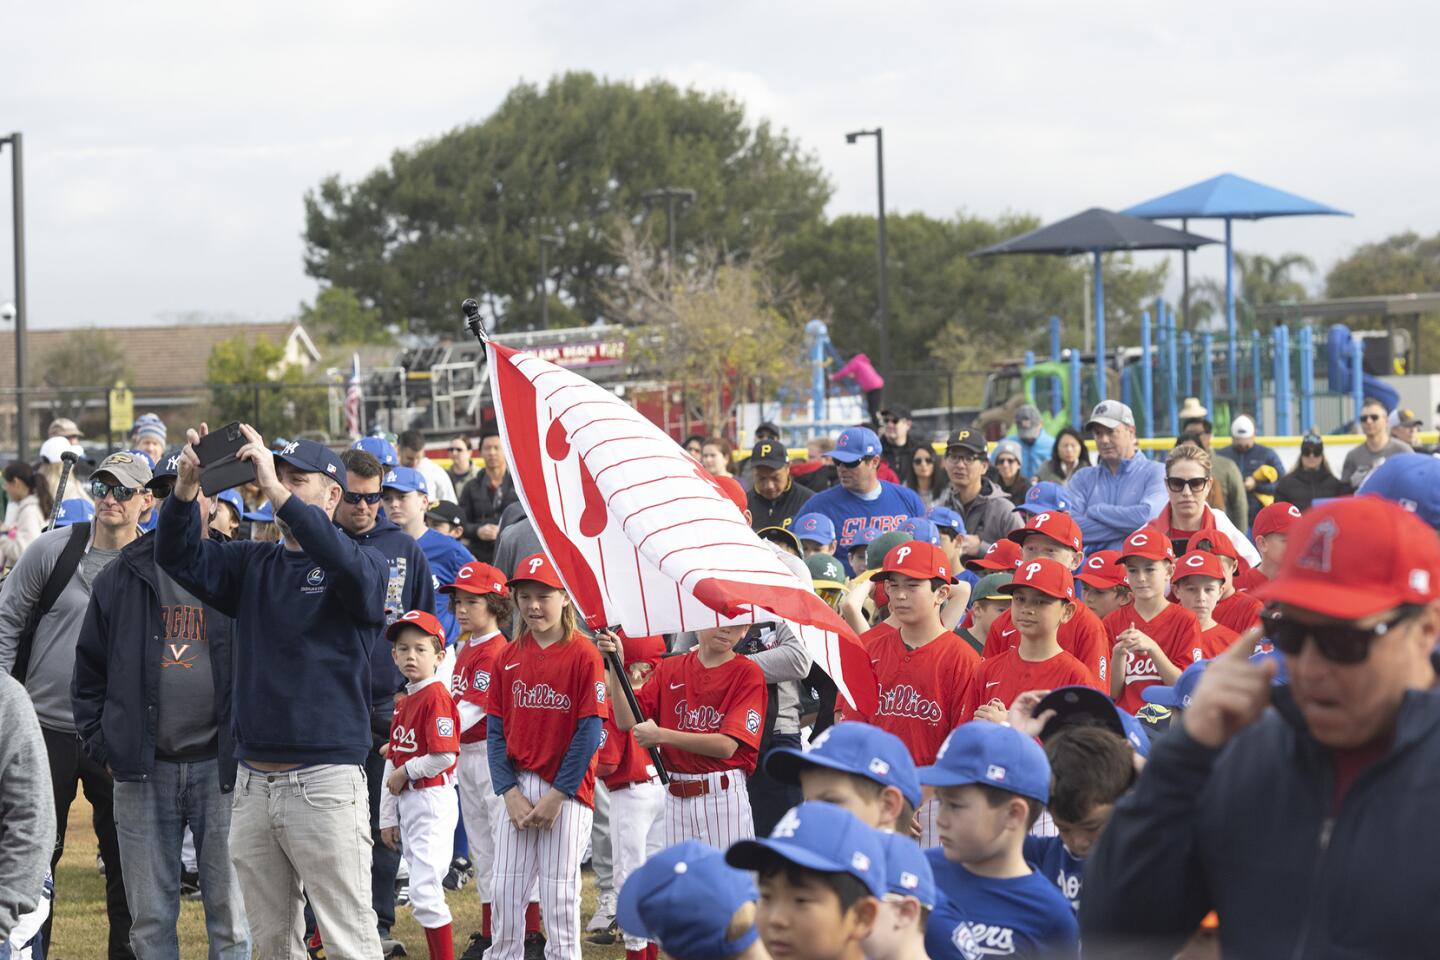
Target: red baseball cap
{"points": [[734, 491], [1048, 576], [1197, 563], [1214, 541], [1060, 527], [478, 578], [1002, 555], [915, 558], [419, 619], [1276, 518], [1357, 557], [1148, 543], [537, 568], [1102, 570], [643, 649]]}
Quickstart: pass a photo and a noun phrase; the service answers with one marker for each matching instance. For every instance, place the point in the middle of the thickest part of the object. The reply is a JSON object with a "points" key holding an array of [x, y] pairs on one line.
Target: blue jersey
{"points": [[1056, 863], [1016, 917], [446, 556], [852, 514]]}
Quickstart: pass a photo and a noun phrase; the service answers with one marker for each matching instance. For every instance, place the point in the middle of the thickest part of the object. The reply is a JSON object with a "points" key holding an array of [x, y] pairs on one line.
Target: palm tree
{"points": [[1260, 280]]}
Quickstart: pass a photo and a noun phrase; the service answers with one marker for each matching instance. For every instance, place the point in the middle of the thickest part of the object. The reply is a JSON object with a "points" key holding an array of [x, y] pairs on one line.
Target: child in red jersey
{"points": [[1153, 638], [924, 670], [480, 602], [1271, 533], [1238, 611], [547, 702], [1198, 581], [1103, 575], [418, 808], [705, 710], [1042, 598]]}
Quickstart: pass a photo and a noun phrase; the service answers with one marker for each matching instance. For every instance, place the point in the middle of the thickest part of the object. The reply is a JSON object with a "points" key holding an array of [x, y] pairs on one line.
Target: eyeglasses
{"points": [[160, 489], [99, 489], [369, 498], [892, 419], [923, 461], [851, 466], [964, 457], [1196, 484], [1011, 461], [1337, 643], [1369, 417]]}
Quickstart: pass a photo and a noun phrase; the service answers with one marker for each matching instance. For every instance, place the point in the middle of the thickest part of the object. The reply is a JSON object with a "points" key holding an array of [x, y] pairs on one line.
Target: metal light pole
{"points": [[884, 280], [17, 181], [546, 242], [669, 195]]}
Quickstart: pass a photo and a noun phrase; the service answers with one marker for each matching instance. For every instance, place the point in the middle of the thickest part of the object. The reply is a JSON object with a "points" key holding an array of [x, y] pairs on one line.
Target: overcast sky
{"points": [[168, 144]]}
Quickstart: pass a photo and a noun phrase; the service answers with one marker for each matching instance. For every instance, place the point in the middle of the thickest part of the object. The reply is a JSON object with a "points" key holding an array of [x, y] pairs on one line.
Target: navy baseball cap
{"points": [[947, 518], [167, 468], [855, 444], [926, 531], [236, 502], [261, 514], [855, 748], [683, 898], [1047, 496], [379, 448], [1411, 480], [313, 457], [815, 527], [74, 511], [1178, 695], [404, 479], [1080, 706], [990, 755], [907, 871], [822, 837]]}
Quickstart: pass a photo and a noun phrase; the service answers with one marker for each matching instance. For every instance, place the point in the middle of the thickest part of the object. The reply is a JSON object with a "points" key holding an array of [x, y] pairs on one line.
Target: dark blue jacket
{"points": [[1251, 460], [1248, 831], [116, 686], [408, 586], [305, 625]]}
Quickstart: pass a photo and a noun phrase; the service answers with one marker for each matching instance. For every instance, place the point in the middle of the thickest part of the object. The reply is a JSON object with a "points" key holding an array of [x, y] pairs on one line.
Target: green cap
{"points": [[883, 544], [988, 587], [825, 571]]}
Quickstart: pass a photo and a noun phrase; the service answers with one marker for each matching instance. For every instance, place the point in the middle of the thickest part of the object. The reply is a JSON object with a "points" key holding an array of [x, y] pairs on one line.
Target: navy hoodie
{"points": [[305, 624], [408, 586]]}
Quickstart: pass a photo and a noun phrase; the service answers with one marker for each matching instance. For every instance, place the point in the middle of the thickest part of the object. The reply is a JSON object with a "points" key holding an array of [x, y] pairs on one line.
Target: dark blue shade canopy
{"points": [[1096, 231]]}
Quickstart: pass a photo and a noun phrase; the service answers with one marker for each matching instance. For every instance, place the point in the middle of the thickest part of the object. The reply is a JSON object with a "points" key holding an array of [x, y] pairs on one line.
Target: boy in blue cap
{"points": [[689, 901], [856, 766], [816, 532], [821, 875], [992, 782], [905, 909]]}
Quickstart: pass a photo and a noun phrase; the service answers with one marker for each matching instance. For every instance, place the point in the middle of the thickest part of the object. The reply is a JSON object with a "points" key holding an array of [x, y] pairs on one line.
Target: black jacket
{"points": [[1247, 831], [481, 505], [116, 686], [780, 511], [1303, 487], [900, 457]]}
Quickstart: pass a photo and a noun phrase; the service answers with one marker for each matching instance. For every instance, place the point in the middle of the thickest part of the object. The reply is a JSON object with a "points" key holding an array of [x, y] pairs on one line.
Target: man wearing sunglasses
{"points": [[118, 488], [1308, 828], [1378, 447]]}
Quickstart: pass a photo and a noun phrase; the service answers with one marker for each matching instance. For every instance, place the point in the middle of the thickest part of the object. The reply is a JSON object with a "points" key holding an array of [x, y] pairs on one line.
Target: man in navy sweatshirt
{"points": [[306, 614]]}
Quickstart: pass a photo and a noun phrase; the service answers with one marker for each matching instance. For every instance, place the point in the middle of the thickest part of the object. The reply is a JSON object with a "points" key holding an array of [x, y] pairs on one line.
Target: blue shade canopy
{"points": [[1230, 197], [1095, 231]]}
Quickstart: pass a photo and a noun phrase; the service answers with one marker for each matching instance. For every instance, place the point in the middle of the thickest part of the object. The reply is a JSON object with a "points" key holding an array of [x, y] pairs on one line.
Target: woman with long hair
{"points": [[1068, 455], [716, 456], [32, 507], [1311, 479], [926, 477], [1188, 483]]}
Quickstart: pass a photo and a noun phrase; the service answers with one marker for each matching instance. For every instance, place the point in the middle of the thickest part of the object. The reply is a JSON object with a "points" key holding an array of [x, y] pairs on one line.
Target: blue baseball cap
{"points": [[1282, 676], [1047, 496], [991, 755], [945, 517], [907, 871], [236, 502], [815, 527], [264, 513], [926, 531], [379, 448], [74, 511], [683, 898], [862, 538], [855, 748], [313, 457], [1183, 689], [1080, 706], [855, 444], [1411, 480], [143, 456], [819, 836], [404, 479]]}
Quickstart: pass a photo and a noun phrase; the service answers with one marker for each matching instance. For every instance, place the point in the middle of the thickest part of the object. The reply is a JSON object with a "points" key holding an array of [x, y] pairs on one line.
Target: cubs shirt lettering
{"points": [[1174, 629], [684, 694], [425, 722]]}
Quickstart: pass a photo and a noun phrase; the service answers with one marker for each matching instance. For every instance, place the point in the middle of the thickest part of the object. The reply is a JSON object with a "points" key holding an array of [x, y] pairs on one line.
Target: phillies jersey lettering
{"points": [[425, 722], [701, 719], [922, 689], [905, 701], [684, 694], [541, 696]]}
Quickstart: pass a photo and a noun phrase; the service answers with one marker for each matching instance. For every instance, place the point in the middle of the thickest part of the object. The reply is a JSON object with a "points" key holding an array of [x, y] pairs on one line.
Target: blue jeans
{"points": [[150, 820]]}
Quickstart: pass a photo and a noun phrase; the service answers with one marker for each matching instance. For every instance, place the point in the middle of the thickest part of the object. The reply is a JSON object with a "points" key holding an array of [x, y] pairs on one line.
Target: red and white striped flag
{"points": [[641, 535], [353, 398]]}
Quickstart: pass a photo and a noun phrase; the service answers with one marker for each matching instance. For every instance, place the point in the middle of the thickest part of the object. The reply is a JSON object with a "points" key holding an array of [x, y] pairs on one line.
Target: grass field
{"points": [[80, 925]]}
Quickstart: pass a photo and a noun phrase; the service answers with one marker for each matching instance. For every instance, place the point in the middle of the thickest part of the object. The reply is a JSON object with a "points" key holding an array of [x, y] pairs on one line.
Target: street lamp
{"points": [[883, 313], [17, 182], [668, 195], [547, 240]]}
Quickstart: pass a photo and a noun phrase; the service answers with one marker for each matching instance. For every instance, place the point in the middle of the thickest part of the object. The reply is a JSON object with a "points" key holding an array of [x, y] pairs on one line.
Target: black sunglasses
{"points": [[99, 489], [926, 460], [1336, 642], [353, 498], [1369, 417], [1176, 484]]}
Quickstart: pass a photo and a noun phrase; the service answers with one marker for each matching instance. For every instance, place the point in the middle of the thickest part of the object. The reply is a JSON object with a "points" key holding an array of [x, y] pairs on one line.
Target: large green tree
{"points": [[250, 382], [1403, 263], [462, 215], [338, 318]]}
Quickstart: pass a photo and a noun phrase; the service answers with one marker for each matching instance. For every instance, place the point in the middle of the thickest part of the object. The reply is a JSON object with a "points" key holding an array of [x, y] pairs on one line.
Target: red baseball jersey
{"points": [[541, 695], [1239, 612], [1082, 636], [1174, 629], [684, 694], [470, 680], [631, 761], [1006, 676], [922, 689], [425, 722], [1250, 579], [1217, 640]]}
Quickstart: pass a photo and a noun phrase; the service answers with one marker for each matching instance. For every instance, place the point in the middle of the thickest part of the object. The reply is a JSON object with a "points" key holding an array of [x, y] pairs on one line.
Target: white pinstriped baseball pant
{"points": [[718, 818]]}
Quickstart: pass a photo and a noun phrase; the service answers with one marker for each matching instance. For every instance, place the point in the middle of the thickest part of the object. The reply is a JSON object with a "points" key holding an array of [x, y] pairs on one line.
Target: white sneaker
{"points": [[604, 913]]}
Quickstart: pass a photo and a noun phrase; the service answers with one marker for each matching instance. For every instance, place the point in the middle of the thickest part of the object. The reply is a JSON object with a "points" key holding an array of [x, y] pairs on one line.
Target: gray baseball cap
{"points": [[1111, 414], [129, 469]]}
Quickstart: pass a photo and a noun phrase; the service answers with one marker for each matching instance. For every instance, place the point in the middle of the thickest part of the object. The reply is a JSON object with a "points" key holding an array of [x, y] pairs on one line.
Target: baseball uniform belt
{"points": [[696, 788]]}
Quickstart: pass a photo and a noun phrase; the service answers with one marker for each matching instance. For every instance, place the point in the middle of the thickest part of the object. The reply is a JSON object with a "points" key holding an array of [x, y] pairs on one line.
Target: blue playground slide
{"points": [[1337, 355]]}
